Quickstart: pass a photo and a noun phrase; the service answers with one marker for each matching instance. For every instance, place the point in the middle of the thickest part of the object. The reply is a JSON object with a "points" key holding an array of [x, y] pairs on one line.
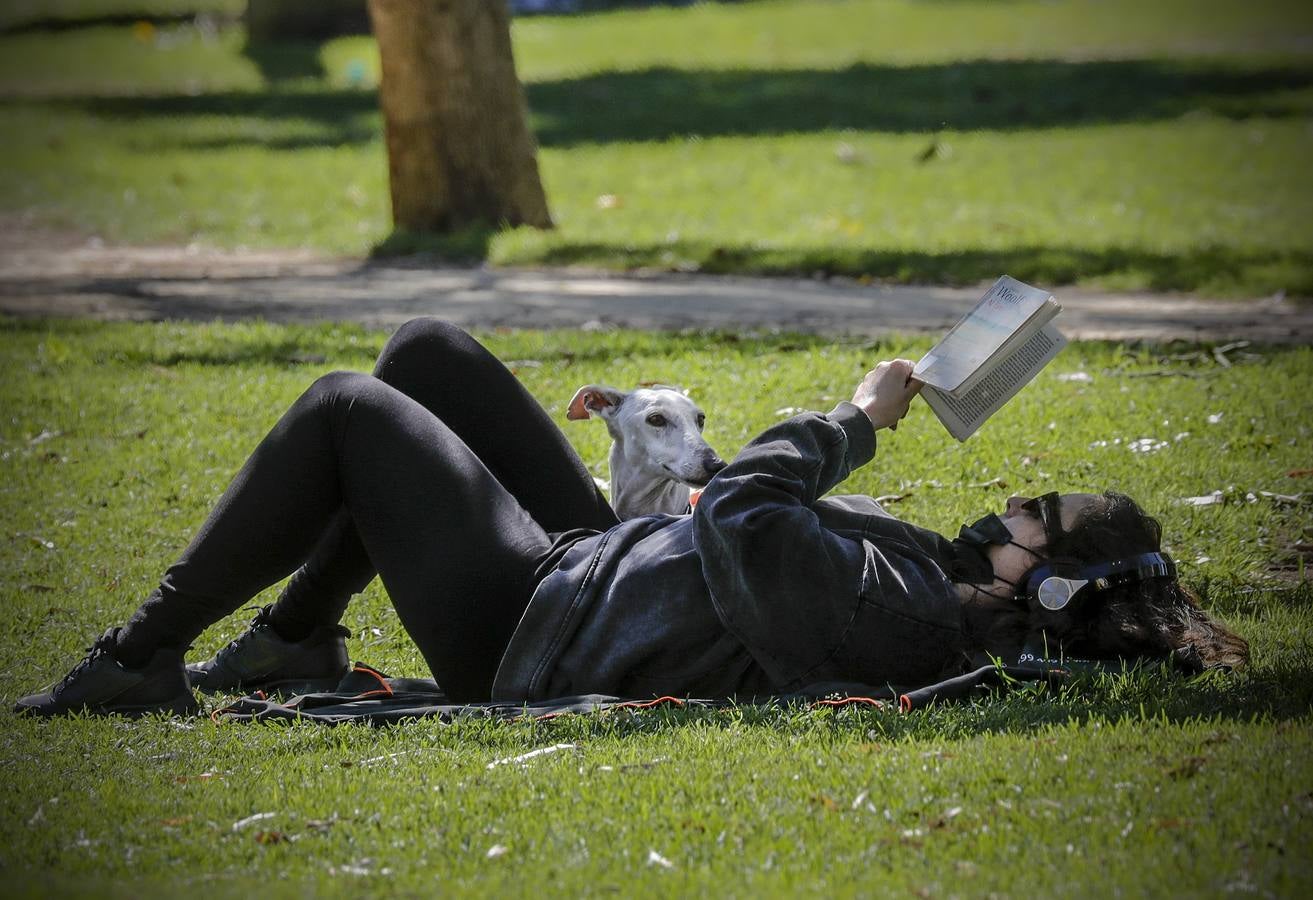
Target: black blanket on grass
{"points": [[367, 695]]}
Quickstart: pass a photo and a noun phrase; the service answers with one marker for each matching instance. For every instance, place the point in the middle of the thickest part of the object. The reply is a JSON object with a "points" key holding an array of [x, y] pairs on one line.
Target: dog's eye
{"points": [[656, 420], [702, 421]]}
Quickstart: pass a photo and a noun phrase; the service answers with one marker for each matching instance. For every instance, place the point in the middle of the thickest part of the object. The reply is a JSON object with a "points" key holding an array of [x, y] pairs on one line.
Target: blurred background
{"points": [[1116, 143]]}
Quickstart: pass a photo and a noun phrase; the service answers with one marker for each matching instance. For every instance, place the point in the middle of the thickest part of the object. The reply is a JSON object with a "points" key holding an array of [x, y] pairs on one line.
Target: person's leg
{"points": [[458, 380], [456, 552]]}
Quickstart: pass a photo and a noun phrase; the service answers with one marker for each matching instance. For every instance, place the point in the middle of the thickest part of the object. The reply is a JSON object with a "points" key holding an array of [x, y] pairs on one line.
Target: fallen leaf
{"points": [[496, 850], [1146, 445], [1171, 823], [1299, 473], [1205, 499], [532, 754], [828, 802], [271, 837], [175, 821], [1188, 767], [44, 436], [251, 820], [628, 767], [389, 757], [936, 149], [948, 816], [656, 859]]}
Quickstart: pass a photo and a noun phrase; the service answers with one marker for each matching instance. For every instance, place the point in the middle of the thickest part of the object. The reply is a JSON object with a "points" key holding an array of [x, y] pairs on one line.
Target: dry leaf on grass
{"points": [[656, 859], [251, 820], [532, 754]]}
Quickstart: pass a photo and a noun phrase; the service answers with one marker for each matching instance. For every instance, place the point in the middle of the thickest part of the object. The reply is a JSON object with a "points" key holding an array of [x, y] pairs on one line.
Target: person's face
{"points": [[1023, 519]]}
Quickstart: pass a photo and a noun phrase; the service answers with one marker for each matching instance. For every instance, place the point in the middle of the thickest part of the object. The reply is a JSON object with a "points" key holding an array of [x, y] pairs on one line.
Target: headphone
{"points": [[1055, 582]]}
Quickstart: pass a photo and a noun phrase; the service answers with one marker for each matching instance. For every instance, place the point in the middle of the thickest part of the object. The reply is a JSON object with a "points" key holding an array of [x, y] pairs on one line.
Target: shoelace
{"points": [[94, 652], [236, 642]]}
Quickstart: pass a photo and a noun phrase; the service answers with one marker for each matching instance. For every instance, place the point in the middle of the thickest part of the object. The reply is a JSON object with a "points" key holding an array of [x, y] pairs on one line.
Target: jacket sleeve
{"points": [[786, 586]]}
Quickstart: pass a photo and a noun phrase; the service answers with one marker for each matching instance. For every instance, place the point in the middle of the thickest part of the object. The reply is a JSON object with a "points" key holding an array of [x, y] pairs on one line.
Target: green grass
{"points": [[1116, 143], [117, 438]]}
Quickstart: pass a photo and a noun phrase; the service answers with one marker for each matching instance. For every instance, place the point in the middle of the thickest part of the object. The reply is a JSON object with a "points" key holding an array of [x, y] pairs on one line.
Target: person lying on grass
{"points": [[513, 576]]}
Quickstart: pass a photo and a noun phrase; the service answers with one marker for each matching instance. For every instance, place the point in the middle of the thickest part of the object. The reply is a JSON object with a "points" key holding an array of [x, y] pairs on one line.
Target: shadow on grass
{"points": [[1203, 268], [248, 342], [65, 19], [468, 245], [659, 104], [285, 61], [1280, 696]]}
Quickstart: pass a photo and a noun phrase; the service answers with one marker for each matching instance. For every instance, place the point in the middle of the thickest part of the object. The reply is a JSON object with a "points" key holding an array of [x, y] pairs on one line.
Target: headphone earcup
{"points": [[1055, 582], [1055, 592]]}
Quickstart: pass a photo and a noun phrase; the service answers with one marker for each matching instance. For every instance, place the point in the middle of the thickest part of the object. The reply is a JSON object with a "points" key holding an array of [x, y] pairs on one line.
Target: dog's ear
{"points": [[593, 398]]}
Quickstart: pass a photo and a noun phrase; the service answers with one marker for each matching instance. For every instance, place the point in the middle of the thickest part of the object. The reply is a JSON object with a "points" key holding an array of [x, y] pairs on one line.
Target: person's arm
{"points": [[785, 585]]}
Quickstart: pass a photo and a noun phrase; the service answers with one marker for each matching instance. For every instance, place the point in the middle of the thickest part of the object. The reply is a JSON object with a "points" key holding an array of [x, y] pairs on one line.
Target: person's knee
{"points": [[427, 345], [428, 335], [336, 386]]}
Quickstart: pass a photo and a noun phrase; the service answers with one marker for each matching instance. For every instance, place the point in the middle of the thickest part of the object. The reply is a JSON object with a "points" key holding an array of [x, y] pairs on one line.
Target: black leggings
{"points": [[439, 472]]}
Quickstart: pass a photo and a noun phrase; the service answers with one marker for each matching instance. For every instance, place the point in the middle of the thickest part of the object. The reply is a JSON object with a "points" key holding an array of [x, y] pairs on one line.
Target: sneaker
{"points": [[100, 684], [260, 660]]}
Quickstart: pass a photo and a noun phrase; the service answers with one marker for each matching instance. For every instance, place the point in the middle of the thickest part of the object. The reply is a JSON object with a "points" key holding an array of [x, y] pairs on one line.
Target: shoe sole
{"points": [[286, 687], [179, 707]]}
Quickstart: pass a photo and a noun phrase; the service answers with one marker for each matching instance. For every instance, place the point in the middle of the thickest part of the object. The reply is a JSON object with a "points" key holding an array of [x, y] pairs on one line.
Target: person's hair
{"points": [[1153, 618]]}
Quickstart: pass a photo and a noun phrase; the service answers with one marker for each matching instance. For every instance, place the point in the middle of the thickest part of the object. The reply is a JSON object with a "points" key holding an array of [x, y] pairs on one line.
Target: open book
{"points": [[989, 355]]}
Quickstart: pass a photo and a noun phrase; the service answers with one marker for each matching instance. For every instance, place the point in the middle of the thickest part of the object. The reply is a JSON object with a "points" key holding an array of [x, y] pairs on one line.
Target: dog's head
{"points": [[657, 430]]}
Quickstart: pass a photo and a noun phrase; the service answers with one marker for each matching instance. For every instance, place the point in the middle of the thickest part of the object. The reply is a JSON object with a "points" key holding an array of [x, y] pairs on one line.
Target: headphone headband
{"points": [[1055, 591]]}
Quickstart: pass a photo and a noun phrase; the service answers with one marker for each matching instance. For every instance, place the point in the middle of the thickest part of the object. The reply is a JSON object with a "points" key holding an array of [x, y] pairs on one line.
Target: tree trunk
{"points": [[460, 152]]}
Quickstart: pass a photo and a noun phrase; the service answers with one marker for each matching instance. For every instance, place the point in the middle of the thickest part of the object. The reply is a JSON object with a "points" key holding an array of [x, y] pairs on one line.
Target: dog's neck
{"points": [[636, 493]]}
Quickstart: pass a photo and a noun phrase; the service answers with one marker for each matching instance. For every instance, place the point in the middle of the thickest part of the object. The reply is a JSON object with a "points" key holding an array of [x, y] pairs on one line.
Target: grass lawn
{"points": [[117, 438], [1126, 144]]}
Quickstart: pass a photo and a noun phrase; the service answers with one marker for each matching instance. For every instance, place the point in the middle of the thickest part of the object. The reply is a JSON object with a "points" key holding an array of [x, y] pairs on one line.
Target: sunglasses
{"points": [[1048, 509]]}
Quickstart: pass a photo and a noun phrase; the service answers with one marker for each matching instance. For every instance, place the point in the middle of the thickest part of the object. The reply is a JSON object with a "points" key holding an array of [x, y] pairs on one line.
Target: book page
{"points": [[977, 336], [963, 415], [1011, 345]]}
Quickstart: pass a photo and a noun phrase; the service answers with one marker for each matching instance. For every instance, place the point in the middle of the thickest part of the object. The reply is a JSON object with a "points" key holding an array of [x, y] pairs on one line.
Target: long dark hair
{"points": [[1155, 618]]}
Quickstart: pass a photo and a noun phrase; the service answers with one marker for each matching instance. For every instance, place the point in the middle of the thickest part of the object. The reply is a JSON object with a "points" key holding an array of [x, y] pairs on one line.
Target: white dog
{"points": [[657, 448]]}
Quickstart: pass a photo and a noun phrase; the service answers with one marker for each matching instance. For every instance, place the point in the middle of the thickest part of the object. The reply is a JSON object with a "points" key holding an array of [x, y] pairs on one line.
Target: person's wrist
{"points": [[877, 422]]}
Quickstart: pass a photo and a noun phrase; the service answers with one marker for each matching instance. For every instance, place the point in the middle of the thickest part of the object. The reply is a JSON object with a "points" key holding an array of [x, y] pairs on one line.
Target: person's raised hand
{"points": [[886, 392]]}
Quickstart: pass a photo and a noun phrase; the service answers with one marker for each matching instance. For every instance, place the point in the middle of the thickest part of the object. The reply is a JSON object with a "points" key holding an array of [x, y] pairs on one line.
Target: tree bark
{"points": [[460, 152]]}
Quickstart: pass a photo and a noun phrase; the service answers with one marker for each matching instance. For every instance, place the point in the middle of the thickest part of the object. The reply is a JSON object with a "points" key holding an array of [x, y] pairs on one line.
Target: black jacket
{"points": [[765, 588]]}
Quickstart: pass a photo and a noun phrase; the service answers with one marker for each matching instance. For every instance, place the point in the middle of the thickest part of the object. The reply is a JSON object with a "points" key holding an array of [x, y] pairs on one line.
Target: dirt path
{"points": [[54, 273]]}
